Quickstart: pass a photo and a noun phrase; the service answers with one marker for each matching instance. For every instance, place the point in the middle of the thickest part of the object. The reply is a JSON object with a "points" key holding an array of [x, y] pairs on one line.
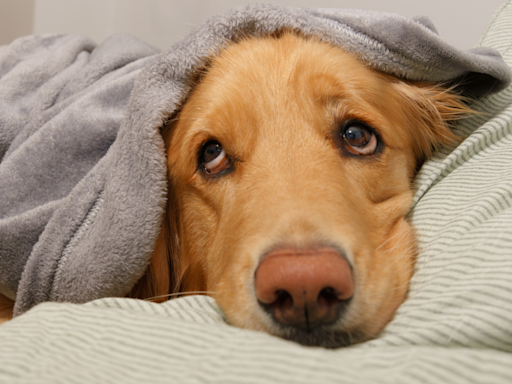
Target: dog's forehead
{"points": [[269, 68], [260, 96], [258, 81]]}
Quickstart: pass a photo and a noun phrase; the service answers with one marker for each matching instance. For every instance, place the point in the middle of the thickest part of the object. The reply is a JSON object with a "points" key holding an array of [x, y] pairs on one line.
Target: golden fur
{"points": [[276, 104], [6, 307]]}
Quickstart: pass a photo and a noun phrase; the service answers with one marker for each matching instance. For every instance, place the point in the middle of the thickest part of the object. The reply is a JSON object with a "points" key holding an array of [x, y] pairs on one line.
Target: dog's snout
{"points": [[304, 288]]}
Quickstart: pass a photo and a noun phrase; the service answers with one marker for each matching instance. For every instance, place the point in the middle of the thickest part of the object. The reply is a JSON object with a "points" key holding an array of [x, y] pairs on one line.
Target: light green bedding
{"points": [[186, 341], [456, 325]]}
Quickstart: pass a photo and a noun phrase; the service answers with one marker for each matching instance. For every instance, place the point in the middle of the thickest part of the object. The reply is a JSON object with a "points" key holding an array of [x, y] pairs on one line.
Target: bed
{"points": [[455, 327]]}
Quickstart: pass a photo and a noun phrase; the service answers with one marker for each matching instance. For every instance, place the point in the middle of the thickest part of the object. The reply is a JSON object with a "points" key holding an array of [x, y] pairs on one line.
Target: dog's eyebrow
{"points": [[237, 158]]}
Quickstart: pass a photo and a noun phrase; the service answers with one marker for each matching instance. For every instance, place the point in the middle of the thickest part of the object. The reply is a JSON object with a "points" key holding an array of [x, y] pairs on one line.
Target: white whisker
{"points": [[177, 294]]}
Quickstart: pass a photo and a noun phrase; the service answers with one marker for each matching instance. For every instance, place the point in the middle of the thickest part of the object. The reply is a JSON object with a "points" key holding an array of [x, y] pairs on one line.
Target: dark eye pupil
{"points": [[357, 137], [211, 151]]}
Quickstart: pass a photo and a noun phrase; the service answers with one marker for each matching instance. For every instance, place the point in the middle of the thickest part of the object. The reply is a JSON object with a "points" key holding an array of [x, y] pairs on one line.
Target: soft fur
{"points": [[278, 107], [6, 307]]}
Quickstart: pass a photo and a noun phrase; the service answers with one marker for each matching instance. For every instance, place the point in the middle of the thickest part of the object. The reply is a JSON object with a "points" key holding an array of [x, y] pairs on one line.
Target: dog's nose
{"points": [[304, 288]]}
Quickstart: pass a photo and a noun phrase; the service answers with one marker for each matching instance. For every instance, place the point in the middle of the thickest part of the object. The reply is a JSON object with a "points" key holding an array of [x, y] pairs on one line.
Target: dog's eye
{"points": [[214, 158], [359, 139]]}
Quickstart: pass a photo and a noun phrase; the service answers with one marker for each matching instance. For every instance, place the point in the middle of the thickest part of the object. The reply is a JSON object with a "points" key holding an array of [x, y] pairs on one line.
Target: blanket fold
{"points": [[83, 172]]}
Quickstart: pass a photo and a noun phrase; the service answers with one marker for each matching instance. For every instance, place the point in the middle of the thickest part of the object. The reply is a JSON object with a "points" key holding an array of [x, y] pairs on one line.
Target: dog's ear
{"points": [[432, 111], [161, 276], [6, 308]]}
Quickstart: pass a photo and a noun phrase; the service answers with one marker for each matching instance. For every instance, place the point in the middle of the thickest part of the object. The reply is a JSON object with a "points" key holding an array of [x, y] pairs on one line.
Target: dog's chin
{"points": [[323, 336]]}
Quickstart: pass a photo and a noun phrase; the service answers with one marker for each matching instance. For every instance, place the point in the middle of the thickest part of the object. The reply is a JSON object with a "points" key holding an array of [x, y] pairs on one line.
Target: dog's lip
{"points": [[326, 336]]}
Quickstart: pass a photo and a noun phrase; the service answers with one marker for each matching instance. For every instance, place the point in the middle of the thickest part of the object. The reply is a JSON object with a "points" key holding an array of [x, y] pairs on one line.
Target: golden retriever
{"points": [[290, 171]]}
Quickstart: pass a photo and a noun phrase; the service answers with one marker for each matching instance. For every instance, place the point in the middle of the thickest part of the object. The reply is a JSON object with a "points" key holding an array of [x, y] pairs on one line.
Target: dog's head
{"points": [[290, 170]]}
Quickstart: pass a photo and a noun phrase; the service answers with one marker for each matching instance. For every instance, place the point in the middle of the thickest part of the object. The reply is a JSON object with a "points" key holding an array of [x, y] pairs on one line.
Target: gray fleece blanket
{"points": [[82, 164]]}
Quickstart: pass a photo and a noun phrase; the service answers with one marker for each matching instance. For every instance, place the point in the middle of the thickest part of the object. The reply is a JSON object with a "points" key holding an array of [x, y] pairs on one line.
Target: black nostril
{"points": [[291, 310], [328, 296], [282, 304], [284, 300]]}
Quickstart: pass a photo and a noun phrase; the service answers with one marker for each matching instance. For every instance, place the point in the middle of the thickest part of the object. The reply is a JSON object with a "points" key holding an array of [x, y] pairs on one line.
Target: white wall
{"points": [[16, 19], [163, 22]]}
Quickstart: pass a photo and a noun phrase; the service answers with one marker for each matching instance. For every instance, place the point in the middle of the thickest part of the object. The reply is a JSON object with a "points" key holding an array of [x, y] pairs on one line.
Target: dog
{"points": [[290, 171]]}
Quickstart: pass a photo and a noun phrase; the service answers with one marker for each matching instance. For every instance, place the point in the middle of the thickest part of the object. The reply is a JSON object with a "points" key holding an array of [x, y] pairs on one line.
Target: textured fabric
{"points": [[62, 101], [83, 175], [186, 341]]}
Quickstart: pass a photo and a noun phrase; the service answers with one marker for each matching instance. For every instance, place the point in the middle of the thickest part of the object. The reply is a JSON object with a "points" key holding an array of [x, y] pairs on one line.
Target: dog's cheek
{"points": [[383, 271], [198, 222], [235, 296], [239, 248], [385, 282], [390, 178]]}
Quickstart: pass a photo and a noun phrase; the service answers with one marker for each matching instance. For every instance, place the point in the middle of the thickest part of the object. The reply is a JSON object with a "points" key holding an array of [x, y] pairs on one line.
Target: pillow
{"points": [[460, 295]]}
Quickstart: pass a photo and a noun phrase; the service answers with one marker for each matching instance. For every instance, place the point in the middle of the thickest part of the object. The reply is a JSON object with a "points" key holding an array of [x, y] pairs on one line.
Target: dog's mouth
{"points": [[316, 326], [327, 336]]}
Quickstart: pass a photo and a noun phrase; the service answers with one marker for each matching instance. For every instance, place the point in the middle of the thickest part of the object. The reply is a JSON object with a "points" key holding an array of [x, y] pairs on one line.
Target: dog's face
{"points": [[290, 169]]}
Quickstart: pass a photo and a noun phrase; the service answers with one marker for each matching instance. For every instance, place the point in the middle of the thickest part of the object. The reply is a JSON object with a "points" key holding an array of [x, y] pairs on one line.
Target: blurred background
{"points": [[163, 22]]}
